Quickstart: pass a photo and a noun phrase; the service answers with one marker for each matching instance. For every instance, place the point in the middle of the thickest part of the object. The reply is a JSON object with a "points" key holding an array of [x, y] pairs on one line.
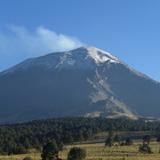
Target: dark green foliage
{"points": [[158, 138], [18, 138], [145, 148], [128, 141], [116, 139], [50, 151], [60, 145], [110, 133], [20, 150], [112, 140], [146, 139], [14, 149], [122, 143], [76, 153], [27, 158], [109, 142]]}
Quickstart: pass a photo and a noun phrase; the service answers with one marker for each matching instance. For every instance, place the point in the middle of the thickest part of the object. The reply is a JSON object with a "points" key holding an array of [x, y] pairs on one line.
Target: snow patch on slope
{"points": [[101, 56]]}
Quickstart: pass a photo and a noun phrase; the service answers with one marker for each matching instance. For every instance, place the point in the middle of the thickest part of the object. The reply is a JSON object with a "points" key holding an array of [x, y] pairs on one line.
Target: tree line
{"points": [[18, 138]]}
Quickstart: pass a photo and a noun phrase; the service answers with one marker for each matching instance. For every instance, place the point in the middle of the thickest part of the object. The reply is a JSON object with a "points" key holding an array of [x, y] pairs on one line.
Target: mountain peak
{"points": [[99, 55], [82, 57], [86, 81]]}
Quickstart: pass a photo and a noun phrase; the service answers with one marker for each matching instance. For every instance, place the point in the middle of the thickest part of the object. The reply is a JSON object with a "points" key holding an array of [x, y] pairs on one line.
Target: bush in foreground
{"points": [[128, 142], [50, 151], [145, 148], [109, 142], [27, 158], [76, 153], [146, 139]]}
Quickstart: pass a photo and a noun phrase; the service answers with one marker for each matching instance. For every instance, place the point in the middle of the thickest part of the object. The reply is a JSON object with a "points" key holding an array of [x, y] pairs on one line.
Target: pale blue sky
{"points": [[129, 29]]}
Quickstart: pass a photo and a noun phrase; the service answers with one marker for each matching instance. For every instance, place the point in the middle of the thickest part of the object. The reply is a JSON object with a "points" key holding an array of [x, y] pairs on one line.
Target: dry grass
{"points": [[97, 151]]}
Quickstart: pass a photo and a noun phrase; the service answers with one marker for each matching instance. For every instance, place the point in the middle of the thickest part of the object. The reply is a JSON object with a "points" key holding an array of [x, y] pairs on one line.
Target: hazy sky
{"points": [[129, 29]]}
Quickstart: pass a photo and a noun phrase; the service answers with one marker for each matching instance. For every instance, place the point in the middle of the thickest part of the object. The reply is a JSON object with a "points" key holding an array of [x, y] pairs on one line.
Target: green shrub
{"points": [[27, 158], [145, 148], [76, 153], [50, 151], [109, 141], [128, 141]]}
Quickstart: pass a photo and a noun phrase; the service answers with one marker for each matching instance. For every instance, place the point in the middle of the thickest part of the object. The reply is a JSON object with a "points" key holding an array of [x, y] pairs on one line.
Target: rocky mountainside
{"points": [[83, 82]]}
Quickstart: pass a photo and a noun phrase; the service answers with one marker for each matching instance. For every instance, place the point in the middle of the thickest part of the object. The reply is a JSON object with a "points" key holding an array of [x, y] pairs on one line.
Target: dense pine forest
{"points": [[18, 138]]}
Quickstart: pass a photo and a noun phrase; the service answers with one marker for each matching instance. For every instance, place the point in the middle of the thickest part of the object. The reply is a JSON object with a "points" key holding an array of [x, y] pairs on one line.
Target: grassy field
{"points": [[97, 151]]}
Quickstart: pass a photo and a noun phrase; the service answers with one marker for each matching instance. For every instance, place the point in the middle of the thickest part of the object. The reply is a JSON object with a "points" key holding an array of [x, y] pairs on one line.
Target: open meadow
{"points": [[97, 151]]}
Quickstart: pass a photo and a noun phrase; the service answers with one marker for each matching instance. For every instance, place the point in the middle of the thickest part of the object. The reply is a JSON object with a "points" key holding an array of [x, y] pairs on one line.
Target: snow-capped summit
{"points": [[99, 55], [83, 57]]}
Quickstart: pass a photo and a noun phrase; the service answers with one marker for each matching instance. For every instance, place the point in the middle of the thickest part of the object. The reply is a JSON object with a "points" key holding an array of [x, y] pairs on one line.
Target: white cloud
{"points": [[19, 41]]}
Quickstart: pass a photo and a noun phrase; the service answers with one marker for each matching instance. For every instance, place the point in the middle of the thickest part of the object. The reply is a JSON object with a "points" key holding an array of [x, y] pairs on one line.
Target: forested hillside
{"points": [[18, 138]]}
